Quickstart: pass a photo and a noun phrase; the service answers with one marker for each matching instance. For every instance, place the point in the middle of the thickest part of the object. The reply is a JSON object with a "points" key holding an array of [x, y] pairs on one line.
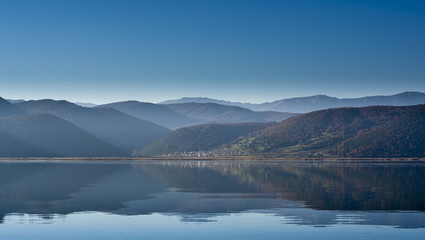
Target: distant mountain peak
{"points": [[47, 100], [60, 105], [131, 102], [410, 92], [201, 100]]}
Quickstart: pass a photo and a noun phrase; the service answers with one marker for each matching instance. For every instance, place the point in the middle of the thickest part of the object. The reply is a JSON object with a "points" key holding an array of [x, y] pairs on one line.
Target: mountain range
{"points": [[82, 104], [300, 104], [317, 102], [185, 114], [51, 128]]}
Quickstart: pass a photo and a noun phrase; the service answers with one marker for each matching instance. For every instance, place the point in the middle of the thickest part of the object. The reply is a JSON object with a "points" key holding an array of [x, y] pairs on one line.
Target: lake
{"points": [[212, 200]]}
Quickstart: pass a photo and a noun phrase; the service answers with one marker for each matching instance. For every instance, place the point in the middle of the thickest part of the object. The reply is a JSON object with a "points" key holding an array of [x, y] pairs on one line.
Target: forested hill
{"points": [[343, 132], [403, 137]]}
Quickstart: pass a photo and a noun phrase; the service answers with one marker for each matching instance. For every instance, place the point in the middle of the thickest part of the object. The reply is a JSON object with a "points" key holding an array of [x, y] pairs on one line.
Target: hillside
{"points": [[319, 133], [156, 113], [217, 113], [403, 137], [12, 146], [271, 116], [44, 135], [7, 109], [212, 112], [200, 138], [116, 128]]}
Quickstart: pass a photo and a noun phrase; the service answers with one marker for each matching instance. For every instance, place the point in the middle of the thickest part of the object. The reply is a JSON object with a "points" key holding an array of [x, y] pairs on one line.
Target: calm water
{"points": [[212, 200]]}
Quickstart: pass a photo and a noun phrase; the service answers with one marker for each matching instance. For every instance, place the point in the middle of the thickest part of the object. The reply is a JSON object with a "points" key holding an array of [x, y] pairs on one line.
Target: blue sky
{"points": [[240, 50]]}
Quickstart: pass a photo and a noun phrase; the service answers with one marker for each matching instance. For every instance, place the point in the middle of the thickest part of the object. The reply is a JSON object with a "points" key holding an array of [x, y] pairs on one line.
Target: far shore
{"points": [[242, 158]]}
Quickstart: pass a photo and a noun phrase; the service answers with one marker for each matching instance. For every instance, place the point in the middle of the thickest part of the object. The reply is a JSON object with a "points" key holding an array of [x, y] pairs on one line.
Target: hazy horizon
{"points": [[157, 102], [245, 51]]}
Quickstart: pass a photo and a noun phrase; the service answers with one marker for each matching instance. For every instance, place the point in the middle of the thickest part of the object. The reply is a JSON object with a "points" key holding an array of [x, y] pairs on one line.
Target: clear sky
{"points": [[240, 50]]}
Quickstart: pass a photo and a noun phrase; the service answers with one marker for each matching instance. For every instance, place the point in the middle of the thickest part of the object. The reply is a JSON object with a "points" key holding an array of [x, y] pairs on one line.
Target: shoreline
{"points": [[235, 159]]}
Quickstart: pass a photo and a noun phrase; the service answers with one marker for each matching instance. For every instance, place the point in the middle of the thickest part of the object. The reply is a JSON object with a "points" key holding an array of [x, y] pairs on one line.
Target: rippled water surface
{"points": [[212, 200]]}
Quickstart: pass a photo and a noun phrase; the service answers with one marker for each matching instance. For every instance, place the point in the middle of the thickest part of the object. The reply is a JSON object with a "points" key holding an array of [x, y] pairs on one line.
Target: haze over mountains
{"points": [[317, 102], [121, 130], [185, 114], [159, 114], [45, 135], [294, 105], [50, 128], [216, 113], [9, 110]]}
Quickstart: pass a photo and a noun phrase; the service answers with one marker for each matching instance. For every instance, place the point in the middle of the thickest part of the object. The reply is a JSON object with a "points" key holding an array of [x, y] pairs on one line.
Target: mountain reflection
{"points": [[310, 193]]}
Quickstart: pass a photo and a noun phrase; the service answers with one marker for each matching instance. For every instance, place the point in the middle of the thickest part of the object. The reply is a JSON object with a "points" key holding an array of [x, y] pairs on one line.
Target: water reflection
{"points": [[317, 194]]}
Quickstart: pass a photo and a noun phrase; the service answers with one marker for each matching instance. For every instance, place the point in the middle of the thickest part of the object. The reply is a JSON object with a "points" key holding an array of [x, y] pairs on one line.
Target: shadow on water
{"points": [[317, 194]]}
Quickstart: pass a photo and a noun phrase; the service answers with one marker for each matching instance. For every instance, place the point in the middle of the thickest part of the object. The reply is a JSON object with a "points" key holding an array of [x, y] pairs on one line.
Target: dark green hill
{"points": [[7, 109], [44, 135], [316, 133], [114, 127], [204, 137], [156, 113]]}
